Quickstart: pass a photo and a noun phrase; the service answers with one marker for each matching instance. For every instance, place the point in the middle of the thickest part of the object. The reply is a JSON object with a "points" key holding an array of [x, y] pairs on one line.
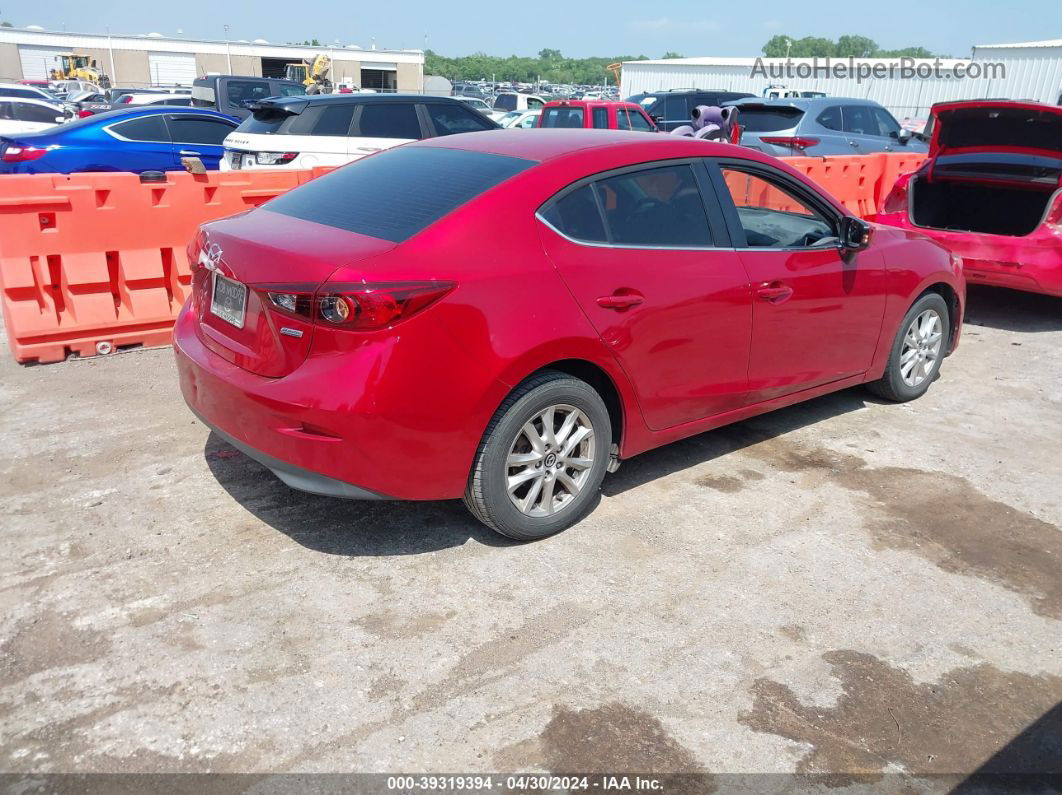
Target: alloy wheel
{"points": [[550, 460], [921, 347]]}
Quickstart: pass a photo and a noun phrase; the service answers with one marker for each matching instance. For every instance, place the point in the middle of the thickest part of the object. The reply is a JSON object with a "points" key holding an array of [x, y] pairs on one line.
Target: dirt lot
{"points": [[844, 586]]}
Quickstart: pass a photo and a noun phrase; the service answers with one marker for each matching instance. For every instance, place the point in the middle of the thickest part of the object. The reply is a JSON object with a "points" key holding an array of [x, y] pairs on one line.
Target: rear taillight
{"points": [[84, 114], [896, 201], [796, 141], [21, 154], [355, 307], [274, 158]]}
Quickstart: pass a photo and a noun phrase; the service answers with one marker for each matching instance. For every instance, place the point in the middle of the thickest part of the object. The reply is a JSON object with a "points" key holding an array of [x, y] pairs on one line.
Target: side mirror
{"points": [[855, 233], [905, 136], [61, 119]]}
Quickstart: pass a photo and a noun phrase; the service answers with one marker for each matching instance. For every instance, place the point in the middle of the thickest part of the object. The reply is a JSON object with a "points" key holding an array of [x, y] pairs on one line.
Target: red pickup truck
{"points": [[597, 114]]}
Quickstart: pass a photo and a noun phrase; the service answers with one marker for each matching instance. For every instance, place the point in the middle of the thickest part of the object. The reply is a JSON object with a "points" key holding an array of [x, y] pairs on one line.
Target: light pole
{"points": [[788, 46], [228, 51]]}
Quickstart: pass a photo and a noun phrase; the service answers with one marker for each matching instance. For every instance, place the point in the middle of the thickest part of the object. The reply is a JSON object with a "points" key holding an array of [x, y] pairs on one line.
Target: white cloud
{"points": [[773, 24], [666, 24]]}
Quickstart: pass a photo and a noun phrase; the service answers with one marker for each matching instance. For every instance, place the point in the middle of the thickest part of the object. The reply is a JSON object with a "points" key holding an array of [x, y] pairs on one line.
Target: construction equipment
{"points": [[80, 67], [312, 74]]}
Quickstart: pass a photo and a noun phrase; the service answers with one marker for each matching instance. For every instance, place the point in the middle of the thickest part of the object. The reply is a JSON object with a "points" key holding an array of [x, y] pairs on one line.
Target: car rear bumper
{"points": [[1032, 263]]}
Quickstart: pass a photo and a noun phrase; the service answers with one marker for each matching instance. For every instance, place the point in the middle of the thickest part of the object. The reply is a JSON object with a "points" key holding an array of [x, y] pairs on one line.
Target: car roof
{"points": [[548, 143], [802, 103], [31, 100], [325, 99], [579, 103], [148, 110]]}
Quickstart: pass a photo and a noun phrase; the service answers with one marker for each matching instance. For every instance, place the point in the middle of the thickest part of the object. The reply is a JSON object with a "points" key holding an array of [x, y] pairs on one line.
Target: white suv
{"points": [[330, 130]]}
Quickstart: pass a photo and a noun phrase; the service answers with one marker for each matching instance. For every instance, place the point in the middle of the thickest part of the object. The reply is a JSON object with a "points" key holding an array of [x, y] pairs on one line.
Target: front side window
{"points": [[505, 102], [450, 119], [389, 120], [773, 216], [887, 125], [144, 128], [623, 121], [655, 207], [639, 122], [534, 104]]}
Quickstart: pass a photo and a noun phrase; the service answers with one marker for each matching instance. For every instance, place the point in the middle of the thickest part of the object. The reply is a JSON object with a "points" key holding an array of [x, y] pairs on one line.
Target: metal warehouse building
{"points": [[157, 60], [1031, 70]]}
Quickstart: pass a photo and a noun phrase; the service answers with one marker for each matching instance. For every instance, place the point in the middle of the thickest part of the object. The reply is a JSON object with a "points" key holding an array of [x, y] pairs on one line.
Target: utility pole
{"points": [[228, 51]]}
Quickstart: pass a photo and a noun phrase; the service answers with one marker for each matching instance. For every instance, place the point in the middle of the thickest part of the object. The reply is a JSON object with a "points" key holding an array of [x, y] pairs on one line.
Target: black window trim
{"points": [[110, 129], [716, 225], [773, 175]]}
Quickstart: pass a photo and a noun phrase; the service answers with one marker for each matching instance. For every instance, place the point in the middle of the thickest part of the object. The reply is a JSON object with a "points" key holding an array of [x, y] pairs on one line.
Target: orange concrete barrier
{"points": [[94, 262], [90, 263]]}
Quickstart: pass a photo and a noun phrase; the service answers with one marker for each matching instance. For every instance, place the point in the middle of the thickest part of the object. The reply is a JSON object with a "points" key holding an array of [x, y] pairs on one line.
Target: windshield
{"points": [[767, 119]]}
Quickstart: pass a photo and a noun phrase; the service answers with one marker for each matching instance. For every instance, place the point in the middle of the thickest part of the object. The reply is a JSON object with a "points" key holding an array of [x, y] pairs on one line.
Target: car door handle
{"points": [[853, 143], [775, 292], [620, 302], [189, 153]]}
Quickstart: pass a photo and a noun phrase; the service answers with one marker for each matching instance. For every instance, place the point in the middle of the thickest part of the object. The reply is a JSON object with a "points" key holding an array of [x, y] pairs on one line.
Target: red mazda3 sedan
{"points": [[506, 315]]}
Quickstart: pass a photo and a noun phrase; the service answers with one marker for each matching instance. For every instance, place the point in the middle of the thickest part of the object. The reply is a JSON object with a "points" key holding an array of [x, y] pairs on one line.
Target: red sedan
{"points": [[505, 316], [991, 192]]}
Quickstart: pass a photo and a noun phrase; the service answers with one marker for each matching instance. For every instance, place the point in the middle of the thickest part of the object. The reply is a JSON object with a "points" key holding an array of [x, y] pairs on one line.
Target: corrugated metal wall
{"points": [[1031, 73]]}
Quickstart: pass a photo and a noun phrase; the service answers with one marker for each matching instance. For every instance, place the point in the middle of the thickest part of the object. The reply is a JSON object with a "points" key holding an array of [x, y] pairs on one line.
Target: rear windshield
{"points": [[562, 117], [396, 194], [768, 119], [269, 121], [505, 102]]}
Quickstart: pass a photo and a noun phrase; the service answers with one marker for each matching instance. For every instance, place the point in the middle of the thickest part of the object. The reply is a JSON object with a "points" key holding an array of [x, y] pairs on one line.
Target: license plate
{"points": [[228, 300], [235, 161]]}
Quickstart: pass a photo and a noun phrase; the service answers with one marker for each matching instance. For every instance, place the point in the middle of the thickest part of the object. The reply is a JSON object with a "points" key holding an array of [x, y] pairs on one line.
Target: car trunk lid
{"points": [[264, 252], [996, 126]]}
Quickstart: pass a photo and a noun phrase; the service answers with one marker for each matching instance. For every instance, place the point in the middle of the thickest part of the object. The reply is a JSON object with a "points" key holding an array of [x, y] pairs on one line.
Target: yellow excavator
{"points": [[312, 74], [80, 67]]}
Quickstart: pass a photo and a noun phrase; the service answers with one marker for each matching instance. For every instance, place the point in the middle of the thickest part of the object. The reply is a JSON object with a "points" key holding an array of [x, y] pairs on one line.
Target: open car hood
{"points": [[990, 125]]}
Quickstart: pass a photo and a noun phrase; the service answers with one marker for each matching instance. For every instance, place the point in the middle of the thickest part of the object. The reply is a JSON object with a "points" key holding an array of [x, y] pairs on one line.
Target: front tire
{"points": [[917, 352], [539, 467]]}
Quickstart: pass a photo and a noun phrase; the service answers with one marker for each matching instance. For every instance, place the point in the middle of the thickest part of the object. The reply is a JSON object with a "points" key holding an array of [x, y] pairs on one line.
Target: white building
{"points": [[907, 87], [157, 60]]}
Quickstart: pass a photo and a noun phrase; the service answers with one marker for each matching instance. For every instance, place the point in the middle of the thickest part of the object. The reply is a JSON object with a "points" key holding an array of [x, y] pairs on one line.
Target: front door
{"points": [[817, 309], [638, 252]]}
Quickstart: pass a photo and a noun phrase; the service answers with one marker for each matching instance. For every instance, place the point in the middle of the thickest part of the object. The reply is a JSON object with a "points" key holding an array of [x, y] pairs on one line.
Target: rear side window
{"points": [[562, 117], [577, 216], [389, 120], [22, 93], [449, 119], [505, 102], [829, 118], [768, 119], [335, 120], [144, 128], [396, 194], [601, 118], [197, 130], [860, 120], [655, 207], [287, 90], [240, 91]]}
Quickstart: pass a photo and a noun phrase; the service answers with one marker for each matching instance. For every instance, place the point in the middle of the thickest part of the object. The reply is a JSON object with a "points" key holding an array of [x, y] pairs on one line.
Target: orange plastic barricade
{"points": [[94, 262]]}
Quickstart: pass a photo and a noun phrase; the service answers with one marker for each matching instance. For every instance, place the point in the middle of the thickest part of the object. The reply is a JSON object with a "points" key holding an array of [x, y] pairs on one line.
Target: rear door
{"points": [[817, 309], [34, 117], [198, 136], [651, 265], [382, 125]]}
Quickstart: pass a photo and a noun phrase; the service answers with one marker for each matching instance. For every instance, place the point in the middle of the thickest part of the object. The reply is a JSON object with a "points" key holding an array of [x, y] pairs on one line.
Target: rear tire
{"points": [[539, 466], [917, 351]]}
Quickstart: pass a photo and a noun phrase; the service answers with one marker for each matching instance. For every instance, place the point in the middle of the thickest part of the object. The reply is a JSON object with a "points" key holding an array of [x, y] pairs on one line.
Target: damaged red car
{"points": [[991, 192]]}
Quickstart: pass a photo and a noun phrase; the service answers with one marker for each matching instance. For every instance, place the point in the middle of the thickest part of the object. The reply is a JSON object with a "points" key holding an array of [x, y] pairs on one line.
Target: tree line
{"points": [[781, 46]]}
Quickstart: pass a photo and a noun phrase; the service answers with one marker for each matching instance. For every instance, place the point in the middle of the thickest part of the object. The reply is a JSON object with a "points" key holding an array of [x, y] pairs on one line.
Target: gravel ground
{"points": [[845, 587]]}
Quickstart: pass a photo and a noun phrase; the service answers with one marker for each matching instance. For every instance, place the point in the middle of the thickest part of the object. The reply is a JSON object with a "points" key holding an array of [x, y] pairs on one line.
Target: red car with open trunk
{"points": [[504, 316], [991, 192]]}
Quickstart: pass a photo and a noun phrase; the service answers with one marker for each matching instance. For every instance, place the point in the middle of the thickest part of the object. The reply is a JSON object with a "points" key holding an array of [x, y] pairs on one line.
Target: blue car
{"points": [[152, 138]]}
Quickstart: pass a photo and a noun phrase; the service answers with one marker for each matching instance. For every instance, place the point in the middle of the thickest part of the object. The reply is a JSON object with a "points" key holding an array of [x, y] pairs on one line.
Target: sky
{"points": [[615, 27]]}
